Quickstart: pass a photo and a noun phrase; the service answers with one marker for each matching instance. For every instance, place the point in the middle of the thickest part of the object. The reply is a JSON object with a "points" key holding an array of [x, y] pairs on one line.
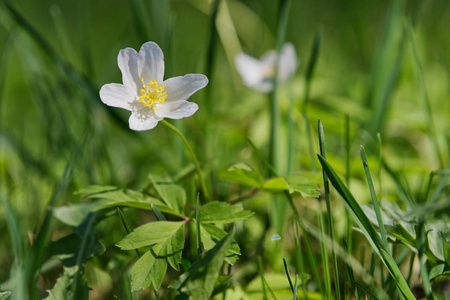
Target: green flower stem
{"points": [[194, 158]]}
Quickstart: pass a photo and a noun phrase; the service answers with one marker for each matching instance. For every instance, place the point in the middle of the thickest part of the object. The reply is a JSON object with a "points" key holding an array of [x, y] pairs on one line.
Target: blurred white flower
{"points": [[258, 74], [145, 94]]}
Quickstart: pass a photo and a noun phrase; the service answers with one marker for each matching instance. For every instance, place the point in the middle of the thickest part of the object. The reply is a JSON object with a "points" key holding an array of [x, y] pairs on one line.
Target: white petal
{"points": [[182, 87], [176, 110], [140, 124], [255, 73], [128, 64], [117, 95], [269, 59], [288, 62], [151, 62]]}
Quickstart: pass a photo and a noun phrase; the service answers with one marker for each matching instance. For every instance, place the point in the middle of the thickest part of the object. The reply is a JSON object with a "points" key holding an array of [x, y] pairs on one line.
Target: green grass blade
{"points": [[421, 245], [365, 290], [329, 214], [308, 79], [261, 274], [158, 213], [264, 283], [288, 275], [141, 20], [197, 224], [374, 197], [309, 250], [13, 228], [295, 287], [311, 66], [401, 183], [367, 228], [423, 90], [126, 226], [38, 249], [387, 65], [323, 252], [211, 53], [300, 262]]}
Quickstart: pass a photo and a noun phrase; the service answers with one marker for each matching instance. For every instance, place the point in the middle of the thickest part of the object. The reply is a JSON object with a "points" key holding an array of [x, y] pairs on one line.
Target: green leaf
{"points": [[278, 183], [75, 214], [437, 271], [113, 197], [150, 234], [151, 267], [199, 280], [243, 174], [63, 286], [367, 228], [149, 270], [5, 295], [305, 185], [173, 248], [171, 194], [211, 235], [117, 195], [293, 184], [221, 212]]}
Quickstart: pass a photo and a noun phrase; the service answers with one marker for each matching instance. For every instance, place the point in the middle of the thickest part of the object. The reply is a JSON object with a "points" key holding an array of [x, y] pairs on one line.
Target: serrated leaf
{"points": [[149, 270], [173, 249], [211, 235], [150, 234], [292, 185], [112, 197], [199, 280], [171, 194], [222, 213], [305, 185], [242, 174], [118, 195], [63, 286]]}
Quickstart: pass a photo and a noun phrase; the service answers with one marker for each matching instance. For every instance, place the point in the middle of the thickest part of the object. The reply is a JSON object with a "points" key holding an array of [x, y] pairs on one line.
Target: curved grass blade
{"points": [[288, 275], [376, 206], [330, 219], [367, 228], [126, 226]]}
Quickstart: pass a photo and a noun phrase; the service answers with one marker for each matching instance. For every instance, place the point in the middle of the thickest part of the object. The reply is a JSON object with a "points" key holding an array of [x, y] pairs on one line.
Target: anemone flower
{"points": [[259, 74], [145, 94]]}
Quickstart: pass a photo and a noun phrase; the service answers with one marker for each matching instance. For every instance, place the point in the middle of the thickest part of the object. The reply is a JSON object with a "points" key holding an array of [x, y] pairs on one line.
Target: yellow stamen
{"points": [[151, 94]]}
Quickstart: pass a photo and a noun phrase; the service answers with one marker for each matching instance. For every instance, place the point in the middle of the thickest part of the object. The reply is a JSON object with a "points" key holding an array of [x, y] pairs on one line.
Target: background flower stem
{"points": [[194, 158]]}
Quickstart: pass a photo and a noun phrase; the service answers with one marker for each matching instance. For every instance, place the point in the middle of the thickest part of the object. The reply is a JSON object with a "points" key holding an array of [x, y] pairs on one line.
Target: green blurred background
{"points": [[55, 56]]}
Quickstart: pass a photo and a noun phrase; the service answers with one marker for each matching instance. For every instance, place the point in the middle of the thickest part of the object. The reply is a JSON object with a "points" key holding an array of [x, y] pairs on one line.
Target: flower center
{"points": [[151, 94]]}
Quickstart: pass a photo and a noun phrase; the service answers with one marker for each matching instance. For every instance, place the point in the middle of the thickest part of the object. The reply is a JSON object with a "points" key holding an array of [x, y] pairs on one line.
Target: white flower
{"points": [[145, 94], [258, 74]]}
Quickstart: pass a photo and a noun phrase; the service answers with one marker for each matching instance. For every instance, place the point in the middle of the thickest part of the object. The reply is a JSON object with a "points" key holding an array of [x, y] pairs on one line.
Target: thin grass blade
{"points": [[376, 205], [367, 228], [329, 214]]}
